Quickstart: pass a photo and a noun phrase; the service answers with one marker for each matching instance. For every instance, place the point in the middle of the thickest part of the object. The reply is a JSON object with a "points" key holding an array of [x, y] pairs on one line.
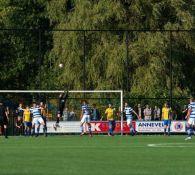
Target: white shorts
{"points": [[129, 121], [85, 118], [37, 120], [191, 121]]}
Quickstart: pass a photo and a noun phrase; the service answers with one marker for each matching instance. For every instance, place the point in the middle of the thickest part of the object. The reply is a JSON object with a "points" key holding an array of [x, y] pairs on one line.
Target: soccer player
{"points": [[61, 105], [128, 113], [3, 119], [110, 118], [19, 126], [44, 117], [166, 117], [190, 119], [27, 121], [37, 119], [20, 111], [85, 118]]}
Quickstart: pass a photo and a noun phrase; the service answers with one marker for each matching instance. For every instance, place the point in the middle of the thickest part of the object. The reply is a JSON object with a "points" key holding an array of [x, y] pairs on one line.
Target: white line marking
{"points": [[172, 145], [78, 147]]}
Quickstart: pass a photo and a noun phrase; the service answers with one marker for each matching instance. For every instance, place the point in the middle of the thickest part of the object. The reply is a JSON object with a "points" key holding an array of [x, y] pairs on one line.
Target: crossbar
{"points": [[60, 91]]}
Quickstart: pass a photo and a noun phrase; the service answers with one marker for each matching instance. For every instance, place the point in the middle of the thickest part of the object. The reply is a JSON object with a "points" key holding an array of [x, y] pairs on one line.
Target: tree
{"points": [[149, 52], [107, 63], [20, 48]]}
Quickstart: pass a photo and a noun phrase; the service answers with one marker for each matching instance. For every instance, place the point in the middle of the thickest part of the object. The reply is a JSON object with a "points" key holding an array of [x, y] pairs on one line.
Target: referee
{"points": [[3, 118]]}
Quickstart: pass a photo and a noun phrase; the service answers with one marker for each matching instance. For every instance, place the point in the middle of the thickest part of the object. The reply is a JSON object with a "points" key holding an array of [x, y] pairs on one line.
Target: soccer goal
{"points": [[75, 96]]}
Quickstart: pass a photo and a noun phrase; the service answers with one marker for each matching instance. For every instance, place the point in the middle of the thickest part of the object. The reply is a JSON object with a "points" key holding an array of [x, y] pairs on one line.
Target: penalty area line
{"points": [[171, 145]]}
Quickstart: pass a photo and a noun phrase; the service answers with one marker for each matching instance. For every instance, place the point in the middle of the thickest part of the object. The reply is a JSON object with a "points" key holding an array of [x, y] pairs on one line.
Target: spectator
{"points": [[177, 112], [174, 113], [66, 114], [184, 112], [139, 111], [118, 114], [72, 115], [95, 113], [156, 113], [147, 113]]}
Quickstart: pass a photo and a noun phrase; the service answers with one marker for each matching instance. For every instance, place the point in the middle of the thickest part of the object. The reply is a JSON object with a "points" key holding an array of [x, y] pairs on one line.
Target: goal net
{"points": [[98, 101]]}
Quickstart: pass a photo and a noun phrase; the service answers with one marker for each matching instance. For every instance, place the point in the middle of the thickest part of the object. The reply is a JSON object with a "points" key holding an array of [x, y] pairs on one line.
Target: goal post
{"points": [[120, 92]]}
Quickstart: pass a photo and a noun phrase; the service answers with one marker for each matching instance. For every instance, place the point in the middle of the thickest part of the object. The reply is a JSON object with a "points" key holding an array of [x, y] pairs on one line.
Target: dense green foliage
{"points": [[138, 62], [73, 155]]}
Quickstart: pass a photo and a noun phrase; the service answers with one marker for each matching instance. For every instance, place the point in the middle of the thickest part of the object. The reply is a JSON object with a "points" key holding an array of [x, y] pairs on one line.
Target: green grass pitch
{"points": [[100, 155]]}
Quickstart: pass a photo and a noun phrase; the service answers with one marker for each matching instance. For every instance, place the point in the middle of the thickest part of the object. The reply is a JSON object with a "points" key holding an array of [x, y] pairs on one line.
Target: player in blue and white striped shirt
{"points": [[85, 117], [129, 116], [37, 118], [190, 119]]}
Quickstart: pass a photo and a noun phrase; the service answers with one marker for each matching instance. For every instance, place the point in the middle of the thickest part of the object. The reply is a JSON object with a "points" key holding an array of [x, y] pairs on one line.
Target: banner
{"points": [[64, 127], [178, 126], [74, 127], [102, 127], [158, 126], [149, 126]]}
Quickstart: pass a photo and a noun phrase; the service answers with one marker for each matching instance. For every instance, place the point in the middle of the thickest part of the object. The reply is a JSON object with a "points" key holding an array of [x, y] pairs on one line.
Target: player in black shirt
{"points": [[19, 126], [61, 105], [3, 119]]}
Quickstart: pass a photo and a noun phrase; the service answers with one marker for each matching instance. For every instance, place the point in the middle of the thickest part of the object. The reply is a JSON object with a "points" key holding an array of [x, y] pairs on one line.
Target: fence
{"points": [[37, 52], [151, 66], [71, 114]]}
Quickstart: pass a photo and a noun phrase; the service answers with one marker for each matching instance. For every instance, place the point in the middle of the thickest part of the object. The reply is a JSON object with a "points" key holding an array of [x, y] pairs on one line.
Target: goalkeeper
{"points": [[61, 105]]}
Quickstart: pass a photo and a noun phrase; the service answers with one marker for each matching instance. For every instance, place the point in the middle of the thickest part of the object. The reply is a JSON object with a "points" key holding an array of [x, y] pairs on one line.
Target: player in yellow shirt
{"points": [[166, 117], [110, 118], [27, 121]]}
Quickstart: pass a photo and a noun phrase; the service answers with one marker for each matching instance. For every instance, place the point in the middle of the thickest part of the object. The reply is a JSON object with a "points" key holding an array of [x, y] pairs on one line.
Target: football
{"points": [[60, 65]]}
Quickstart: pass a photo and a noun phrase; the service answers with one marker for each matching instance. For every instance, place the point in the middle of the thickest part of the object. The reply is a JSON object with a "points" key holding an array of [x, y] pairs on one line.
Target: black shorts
{"points": [[57, 120], [44, 119], [3, 121]]}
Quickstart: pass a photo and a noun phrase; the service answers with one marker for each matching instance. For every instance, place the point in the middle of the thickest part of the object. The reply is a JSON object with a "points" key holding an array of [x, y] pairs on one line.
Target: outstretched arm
{"points": [[81, 114], [188, 113], [65, 96]]}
